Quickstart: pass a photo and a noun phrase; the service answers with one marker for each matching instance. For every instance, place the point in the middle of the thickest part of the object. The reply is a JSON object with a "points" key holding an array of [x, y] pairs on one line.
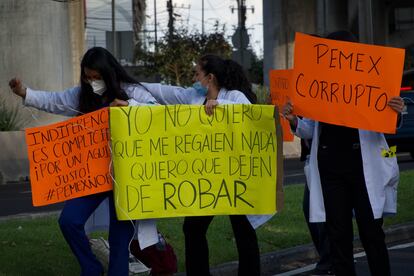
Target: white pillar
{"points": [[41, 42]]}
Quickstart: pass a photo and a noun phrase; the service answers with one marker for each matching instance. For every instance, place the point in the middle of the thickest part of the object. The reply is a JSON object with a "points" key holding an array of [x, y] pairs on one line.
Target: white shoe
{"points": [[136, 267], [100, 248]]}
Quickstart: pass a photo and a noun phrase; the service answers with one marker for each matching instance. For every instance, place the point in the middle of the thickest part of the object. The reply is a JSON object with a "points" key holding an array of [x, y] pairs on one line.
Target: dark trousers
{"points": [[319, 236], [196, 247], [344, 192], [72, 221]]}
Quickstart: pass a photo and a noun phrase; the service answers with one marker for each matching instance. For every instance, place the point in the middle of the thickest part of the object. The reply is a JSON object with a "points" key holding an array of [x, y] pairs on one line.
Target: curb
{"points": [[292, 258], [30, 215]]}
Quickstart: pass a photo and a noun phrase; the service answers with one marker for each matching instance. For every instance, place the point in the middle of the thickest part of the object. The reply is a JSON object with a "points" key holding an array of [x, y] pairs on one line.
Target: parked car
{"points": [[404, 137]]}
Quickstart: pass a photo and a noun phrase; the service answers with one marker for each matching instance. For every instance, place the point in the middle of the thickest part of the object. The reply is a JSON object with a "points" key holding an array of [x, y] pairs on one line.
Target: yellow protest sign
{"points": [[69, 159], [176, 161], [346, 83]]}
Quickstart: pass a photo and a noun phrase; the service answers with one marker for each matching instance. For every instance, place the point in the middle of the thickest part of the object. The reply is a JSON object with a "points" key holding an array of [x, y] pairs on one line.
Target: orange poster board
{"points": [[70, 159], [346, 83], [280, 82]]}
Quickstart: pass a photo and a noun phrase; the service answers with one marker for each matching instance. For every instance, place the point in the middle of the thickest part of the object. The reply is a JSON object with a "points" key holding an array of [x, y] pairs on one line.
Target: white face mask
{"points": [[98, 86]]}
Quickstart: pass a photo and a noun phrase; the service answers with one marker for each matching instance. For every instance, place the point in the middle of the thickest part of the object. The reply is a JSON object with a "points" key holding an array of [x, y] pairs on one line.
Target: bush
{"points": [[10, 118], [262, 93]]}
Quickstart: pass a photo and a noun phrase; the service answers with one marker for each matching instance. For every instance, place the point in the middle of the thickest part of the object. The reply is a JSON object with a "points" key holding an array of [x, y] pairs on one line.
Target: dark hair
{"points": [[229, 74], [343, 36], [112, 73]]}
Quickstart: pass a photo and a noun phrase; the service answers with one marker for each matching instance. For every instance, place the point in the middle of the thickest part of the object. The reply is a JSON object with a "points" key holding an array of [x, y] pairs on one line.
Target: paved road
{"points": [[293, 168], [401, 261], [15, 198]]}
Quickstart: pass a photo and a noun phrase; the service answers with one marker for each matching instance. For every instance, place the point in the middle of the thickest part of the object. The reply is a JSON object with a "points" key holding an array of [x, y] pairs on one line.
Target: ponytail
{"points": [[229, 75], [236, 80]]}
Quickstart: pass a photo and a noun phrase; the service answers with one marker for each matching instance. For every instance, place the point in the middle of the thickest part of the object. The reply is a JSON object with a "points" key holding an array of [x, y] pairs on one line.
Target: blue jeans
{"points": [[72, 222]]}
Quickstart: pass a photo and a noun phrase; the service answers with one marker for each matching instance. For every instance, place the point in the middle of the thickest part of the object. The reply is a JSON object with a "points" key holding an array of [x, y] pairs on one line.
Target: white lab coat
{"points": [[67, 103], [166, 94], [381, 174]]}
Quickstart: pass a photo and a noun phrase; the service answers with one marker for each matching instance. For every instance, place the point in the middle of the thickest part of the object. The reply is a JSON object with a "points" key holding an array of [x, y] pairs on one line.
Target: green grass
{"points": [[36, 247], [405, 202]]}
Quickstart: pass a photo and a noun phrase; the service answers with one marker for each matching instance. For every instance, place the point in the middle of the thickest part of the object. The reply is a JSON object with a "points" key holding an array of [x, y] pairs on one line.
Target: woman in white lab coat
{"points": [[349, 176], [102, 81], [218, 82]]}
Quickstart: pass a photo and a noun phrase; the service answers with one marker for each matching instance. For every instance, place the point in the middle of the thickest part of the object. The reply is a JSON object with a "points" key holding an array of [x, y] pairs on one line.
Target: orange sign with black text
{"points": [[280, 85], [346, 83], [70, 159]]}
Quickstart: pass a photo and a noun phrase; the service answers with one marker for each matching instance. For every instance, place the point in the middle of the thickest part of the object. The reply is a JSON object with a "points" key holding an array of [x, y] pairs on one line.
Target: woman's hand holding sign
{"points": [[210, 105], [396, 104], [288, 114], [118, 103]]}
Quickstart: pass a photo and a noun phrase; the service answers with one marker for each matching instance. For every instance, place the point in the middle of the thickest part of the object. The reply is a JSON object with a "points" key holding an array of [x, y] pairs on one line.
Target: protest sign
{"points": [[69, 159], [177, 161], [346, 83], [280, 86]]}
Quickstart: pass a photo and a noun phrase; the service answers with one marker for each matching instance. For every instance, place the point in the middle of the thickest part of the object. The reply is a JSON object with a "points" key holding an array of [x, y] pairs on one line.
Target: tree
{"points": [[177, 54], [256, 70]]}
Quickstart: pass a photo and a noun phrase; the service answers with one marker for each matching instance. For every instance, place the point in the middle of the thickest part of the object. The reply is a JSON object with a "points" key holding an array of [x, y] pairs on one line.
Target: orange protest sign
{"points": [[70, 159], [280, 85], [346, 83]]}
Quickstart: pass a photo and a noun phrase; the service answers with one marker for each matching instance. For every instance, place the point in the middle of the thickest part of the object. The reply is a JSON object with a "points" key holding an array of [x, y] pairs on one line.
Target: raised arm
{"points": [[168, 94], [62, 103]]}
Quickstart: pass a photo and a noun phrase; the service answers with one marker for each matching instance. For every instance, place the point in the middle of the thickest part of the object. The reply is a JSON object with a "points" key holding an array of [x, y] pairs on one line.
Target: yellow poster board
{"points": [[176, 161]]}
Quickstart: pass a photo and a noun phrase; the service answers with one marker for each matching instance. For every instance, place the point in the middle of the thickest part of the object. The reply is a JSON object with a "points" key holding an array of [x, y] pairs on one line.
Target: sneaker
{"points": [[100, 248], [137, 268]]}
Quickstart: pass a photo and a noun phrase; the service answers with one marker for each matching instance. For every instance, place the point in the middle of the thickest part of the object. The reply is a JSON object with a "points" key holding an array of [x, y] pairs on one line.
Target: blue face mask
{"points": [[202, 90]]}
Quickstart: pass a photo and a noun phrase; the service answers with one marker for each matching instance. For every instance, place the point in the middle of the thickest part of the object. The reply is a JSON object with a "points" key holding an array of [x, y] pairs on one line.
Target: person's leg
{"points": [[373, 239], [337, 196], [72, 221], [370, 230], [319, 237], [196, 246], [119, 238], [247, 246]]}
